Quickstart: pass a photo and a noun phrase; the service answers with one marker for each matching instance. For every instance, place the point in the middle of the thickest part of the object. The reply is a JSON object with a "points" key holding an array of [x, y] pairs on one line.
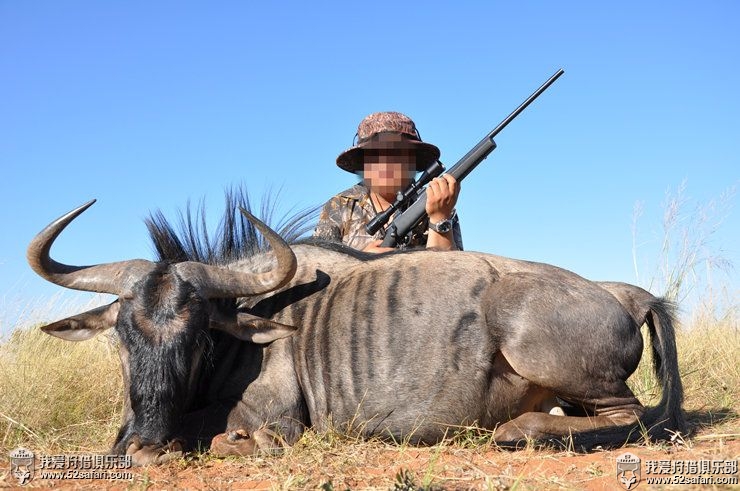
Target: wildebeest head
{"points": [[162, 316]]}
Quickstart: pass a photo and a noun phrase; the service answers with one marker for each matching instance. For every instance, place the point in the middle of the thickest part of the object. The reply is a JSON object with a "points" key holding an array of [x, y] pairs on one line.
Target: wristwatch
{"points": [[443, 226]]}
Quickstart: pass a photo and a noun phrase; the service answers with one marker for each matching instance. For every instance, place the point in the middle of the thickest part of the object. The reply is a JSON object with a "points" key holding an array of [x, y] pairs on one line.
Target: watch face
{"points": [[443, 227]]}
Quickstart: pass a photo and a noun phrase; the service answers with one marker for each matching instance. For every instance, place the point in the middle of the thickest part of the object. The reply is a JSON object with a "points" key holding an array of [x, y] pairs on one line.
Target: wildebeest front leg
{"points": [[271, 413]]}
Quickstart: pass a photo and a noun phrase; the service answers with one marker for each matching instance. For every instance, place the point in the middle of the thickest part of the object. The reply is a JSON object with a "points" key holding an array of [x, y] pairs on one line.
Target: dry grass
{"points": [[62, 397], [56, 395]]}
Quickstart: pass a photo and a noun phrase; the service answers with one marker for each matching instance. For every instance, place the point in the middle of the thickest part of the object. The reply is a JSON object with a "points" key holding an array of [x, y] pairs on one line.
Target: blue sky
{"points": [[146, 105]]}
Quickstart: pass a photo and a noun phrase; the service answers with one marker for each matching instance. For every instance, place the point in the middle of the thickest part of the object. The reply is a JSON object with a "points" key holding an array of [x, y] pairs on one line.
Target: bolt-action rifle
{"points": [[399, 230]]}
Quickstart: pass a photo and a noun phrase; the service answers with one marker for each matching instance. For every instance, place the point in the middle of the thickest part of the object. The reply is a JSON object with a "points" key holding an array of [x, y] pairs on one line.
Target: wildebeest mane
{"points": [[235, 237]]}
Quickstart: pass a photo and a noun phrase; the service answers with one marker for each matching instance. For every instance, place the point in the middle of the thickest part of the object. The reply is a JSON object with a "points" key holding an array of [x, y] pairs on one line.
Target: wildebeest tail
{"points": [[667, 417]]}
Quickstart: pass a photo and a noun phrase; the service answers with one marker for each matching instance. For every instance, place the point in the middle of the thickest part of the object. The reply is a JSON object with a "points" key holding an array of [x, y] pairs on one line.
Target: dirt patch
{"points": [[378, 466]]}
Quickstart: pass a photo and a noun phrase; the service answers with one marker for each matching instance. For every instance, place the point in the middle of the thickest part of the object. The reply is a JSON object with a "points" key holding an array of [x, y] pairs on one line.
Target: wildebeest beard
{"points": [[165, 331]]}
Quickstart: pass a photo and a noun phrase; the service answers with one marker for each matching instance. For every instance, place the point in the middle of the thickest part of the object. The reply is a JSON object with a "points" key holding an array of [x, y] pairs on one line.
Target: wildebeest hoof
{"points": [[510, 432], [168, 456], [142, 455], [236, 435], [235, 442]]}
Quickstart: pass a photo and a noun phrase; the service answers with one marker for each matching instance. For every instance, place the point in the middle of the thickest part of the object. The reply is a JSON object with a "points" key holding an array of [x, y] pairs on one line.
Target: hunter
{"points": [[388, 154]]}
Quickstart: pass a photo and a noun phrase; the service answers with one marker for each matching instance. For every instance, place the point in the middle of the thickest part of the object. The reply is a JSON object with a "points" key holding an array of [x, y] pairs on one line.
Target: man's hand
{"points": [[374, 247], [442, 195]]}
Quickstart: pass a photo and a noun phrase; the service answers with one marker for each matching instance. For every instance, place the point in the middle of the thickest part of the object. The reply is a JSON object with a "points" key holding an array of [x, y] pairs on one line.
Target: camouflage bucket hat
{"points": [[387, 131]]}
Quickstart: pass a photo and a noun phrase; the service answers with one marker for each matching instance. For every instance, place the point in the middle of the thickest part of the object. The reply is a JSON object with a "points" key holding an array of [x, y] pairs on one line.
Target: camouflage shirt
{"points": [[344, 217]]}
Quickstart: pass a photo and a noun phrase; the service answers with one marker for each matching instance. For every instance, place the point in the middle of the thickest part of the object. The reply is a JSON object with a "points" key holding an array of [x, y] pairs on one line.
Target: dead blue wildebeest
{"points": [[406, 345]]}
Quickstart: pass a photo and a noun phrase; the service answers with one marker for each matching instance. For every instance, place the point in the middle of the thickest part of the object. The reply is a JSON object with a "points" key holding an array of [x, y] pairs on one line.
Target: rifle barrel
{"points": [[524, 104]]}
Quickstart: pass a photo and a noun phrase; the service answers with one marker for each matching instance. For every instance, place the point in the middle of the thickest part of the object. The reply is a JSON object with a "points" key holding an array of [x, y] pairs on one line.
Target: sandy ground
{"points": [[377, 466]]}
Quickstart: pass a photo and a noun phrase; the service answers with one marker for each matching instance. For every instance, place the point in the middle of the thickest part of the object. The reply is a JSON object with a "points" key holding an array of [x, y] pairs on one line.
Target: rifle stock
{"points": [[406, 221]]}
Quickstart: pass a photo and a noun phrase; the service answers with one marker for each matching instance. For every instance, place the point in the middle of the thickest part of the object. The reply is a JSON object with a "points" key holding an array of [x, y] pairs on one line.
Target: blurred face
{"points": [[388, 171]]}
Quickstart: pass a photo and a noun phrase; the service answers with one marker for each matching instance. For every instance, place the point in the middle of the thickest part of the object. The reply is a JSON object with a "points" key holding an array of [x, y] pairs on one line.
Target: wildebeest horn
{"points": [[221, 282], [116, 278]]}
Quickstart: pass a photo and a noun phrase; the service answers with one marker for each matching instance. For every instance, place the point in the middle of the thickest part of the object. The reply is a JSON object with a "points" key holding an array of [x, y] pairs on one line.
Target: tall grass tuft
{"points": [[689, 266], [58, 396]]}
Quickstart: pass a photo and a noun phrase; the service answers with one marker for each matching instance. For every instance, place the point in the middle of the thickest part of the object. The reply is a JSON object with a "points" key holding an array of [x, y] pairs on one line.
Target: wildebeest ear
{"points": [[85, 325], [248, 327]]}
